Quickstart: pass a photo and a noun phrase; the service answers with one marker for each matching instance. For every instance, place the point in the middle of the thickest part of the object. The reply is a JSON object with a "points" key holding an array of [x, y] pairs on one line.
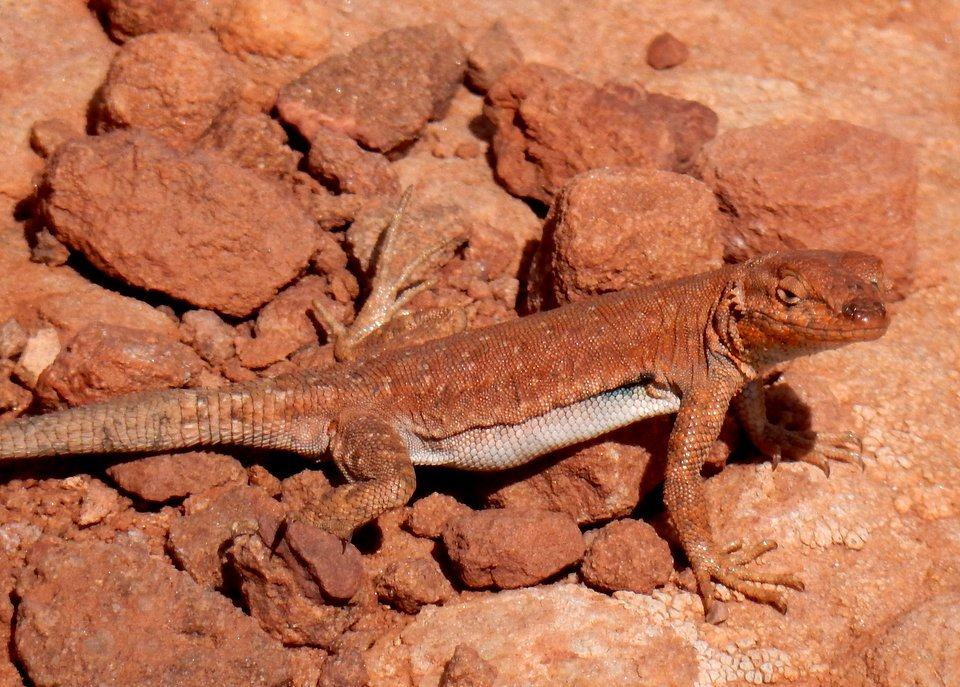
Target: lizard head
{"points": [[800, 302]]}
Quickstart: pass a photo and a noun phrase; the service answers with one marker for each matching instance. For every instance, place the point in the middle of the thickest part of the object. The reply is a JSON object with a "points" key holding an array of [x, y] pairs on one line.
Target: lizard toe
{"points": [[737, 554], [758, 585], [752, 586], [844, 447]]}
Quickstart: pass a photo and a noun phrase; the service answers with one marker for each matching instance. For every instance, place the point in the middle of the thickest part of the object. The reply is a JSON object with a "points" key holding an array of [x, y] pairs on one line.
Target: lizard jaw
{"points": [[863, 330]]}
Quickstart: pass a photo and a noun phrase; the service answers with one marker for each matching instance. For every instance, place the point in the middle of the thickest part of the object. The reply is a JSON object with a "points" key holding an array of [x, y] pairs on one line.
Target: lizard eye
{"points": [[790, 290]]}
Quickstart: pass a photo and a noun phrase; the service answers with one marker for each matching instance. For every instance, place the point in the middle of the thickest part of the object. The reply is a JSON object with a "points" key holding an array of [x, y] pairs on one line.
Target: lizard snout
{"points": [[869, 312]]}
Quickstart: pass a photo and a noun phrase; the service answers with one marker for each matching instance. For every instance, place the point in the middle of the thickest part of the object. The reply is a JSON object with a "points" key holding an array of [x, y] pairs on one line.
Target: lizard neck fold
{"points": [[723, 339]]}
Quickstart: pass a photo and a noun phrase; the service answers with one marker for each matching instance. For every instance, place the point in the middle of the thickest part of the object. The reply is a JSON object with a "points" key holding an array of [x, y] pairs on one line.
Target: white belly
{"points": [[495, 448]]}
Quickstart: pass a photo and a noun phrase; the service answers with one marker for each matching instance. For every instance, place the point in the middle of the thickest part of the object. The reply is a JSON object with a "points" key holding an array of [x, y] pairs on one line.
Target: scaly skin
{"points": [[697, 341]]}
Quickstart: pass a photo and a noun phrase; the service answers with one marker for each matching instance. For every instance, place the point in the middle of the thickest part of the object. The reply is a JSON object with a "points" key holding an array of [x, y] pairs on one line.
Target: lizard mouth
{"points": [[858, 333]]}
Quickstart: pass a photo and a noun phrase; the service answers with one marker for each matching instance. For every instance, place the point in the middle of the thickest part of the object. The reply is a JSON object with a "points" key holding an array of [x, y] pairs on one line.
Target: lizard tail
{"points": [[238, 415]]}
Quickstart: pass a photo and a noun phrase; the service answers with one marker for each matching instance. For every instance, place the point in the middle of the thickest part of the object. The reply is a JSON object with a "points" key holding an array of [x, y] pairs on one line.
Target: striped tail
{"points": [[254, 414]]}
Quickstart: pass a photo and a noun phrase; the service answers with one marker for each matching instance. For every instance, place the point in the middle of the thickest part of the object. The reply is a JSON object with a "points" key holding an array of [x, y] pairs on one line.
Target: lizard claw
{"points": [[728, 568], [775, 455], [717, 614], [815, 448]]}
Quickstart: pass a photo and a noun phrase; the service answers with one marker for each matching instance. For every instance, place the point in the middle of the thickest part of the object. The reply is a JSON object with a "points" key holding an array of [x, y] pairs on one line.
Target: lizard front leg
{"points": [[697, 426], [373, 456], [776, 441]]}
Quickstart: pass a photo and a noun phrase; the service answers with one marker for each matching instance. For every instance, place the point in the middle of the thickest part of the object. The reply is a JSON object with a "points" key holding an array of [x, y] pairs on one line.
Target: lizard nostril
{"points": [[865, 310]]}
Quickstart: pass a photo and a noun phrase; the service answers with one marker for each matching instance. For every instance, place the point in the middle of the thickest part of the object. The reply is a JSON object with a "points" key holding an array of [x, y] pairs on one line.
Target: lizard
{"points": [[497, 397]]}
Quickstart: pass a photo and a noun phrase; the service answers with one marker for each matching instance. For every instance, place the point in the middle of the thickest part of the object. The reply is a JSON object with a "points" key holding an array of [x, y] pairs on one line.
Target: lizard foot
{"points": [[728, 568], [811, 447], [333, 512], [398, 278]]}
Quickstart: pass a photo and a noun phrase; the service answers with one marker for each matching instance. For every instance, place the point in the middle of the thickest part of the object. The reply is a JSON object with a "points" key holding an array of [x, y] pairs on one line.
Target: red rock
{"points": [[259, 476], [598, 481], [329, 210], [46, 249], [254, 140], [173, 476], [268, 43], [612, 229], [494, 54], [99, 502], [357, 93], [92, 613], [509, 548], [49, 134], [129, 18], [558, 634], [38, 512], [103, 361], [197, 539], [171, 84], [692, 125], [275, 29], [411, 583], [196, 227], [39, 352], [468, 150], [264, 76], [9, 675], [395, 544], [236, 372], [918, 647], [13, 339], [627, 555], [551, 126], [822, 184], [282, 596], [41, 297], [210, 336], [243, 27], [330, 261], [333, 566], [14, 399], [285, 324], [76, 508], [337, 160], [428, 515], [344, 669], [666, 51], [55, 56], [466, 669]]}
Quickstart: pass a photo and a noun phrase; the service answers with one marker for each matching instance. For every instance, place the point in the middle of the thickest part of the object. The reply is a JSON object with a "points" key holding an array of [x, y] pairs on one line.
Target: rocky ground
{"points": [[182, 180]]}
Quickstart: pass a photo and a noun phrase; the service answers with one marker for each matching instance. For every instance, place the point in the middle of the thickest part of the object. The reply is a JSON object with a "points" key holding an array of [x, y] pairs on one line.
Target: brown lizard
{"points": [[497, 397]]}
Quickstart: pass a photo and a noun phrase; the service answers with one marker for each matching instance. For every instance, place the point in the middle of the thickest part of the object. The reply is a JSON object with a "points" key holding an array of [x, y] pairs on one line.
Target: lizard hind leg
{"points": [[401, 271], [373, 456]]}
